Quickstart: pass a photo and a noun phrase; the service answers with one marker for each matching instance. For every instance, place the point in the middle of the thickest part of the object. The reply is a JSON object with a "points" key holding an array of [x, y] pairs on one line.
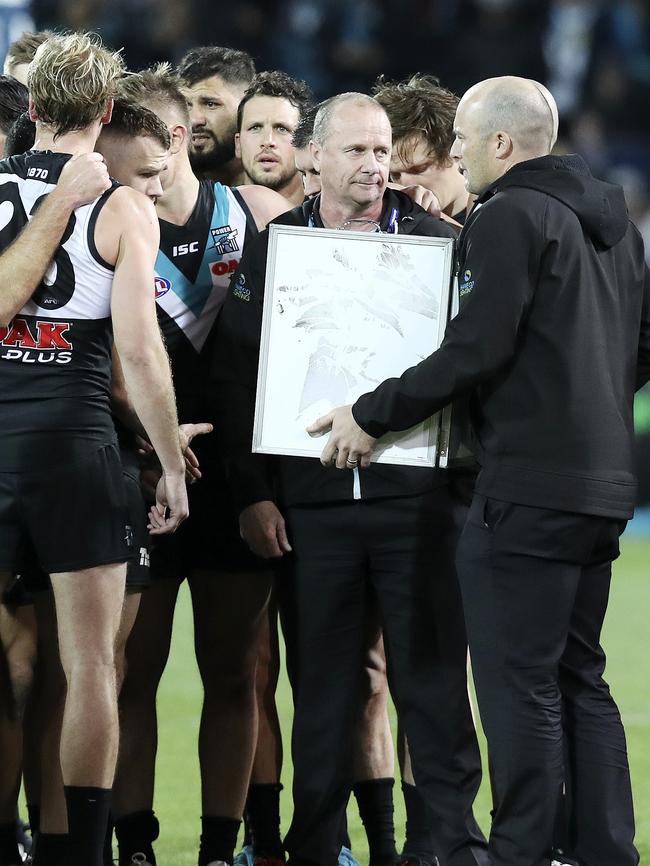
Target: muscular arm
{"points": [[264, 204], [127, 233], [24, 263], [135, 326]]}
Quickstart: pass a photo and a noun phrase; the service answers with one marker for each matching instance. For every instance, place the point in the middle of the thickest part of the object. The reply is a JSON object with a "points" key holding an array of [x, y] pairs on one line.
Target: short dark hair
{"points": [[21, 135], [14, 100], [419, 106], [235, 67], [23, 49], [159, 85], [303, 133], [131, 120], [277, 84]]}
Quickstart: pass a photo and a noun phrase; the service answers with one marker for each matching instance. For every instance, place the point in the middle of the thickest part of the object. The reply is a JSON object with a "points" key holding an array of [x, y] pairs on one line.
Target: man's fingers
{"points": [[341, 458], [329, 453], [321, 425], [190, 458], [282, 538], [365, 461]]}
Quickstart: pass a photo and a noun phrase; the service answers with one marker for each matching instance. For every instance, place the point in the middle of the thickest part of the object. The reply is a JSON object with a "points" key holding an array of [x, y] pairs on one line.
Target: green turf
{"points": [[177, 788]]}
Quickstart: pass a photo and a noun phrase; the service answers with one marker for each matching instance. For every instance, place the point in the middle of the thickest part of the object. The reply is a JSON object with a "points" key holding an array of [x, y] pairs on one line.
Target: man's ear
{"points": [[315, 150], [503, 145], [179, 137], [108, 112], [33, 114], [237, 145]]}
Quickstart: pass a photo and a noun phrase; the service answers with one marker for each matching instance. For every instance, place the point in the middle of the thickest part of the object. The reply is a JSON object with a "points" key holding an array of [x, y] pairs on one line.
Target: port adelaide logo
{"points": [[225, 240]]}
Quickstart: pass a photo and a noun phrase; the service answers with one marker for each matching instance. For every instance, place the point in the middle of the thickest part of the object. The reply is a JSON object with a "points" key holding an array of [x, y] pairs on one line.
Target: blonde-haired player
{"points": [[60, 477]]}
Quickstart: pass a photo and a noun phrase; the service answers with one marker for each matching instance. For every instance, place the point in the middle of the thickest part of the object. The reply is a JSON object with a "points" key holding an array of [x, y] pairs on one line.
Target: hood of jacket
{"points": [[599, 206]]}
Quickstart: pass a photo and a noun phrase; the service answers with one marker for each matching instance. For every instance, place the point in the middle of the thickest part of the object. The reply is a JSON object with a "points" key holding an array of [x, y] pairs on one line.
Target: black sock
{"points": [[9, 852], [108, 843], [248, 838], [419, 840], [34, 818], [135, 834], [88, 810], [263, 816], [50, 849], [375, 801], [218, 839]]}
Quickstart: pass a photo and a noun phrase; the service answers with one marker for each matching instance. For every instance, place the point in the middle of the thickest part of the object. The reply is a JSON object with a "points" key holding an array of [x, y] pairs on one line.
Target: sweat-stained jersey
{"points": [[193, 270], [55, 355]]}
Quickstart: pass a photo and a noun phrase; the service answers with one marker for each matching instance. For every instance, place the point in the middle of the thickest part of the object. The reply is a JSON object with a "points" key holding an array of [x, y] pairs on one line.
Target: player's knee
{"points": [[21, 675], [374, 688], [233, 683]]}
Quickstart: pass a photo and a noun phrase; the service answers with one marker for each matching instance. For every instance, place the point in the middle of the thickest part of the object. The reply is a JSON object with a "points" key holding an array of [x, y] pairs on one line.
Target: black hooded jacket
{"points": [[293, 480], [553, 335]]}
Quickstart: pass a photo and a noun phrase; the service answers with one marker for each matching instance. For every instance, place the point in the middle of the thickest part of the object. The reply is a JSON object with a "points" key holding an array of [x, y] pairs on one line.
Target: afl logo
{"points": [[162, 286]]}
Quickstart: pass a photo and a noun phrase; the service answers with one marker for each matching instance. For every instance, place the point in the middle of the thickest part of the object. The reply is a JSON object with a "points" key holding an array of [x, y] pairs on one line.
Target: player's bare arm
{"points": [[25, 261], [127, 235], [264, 204]]}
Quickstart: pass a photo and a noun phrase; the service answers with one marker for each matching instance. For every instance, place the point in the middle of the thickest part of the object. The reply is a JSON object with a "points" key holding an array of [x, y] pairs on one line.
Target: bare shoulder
{"points": [[264, 204], [126, 214], [129, 204]]}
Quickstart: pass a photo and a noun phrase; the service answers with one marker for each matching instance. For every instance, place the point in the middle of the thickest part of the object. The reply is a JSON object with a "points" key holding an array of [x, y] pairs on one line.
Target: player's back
{"points": [[55, 355]]}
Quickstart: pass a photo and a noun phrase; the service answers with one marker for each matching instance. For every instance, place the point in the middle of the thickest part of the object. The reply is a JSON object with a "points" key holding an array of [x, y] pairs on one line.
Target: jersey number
{"points": [[49, 296]]}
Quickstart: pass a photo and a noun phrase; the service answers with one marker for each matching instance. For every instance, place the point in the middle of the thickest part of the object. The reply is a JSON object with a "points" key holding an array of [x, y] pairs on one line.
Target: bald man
{"points": [[553, 336]]}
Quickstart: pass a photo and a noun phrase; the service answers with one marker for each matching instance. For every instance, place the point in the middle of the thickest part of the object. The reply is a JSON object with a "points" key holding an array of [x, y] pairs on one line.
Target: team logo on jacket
{"points": [[162, 286], [241, 290], [40, 343], [467, 285], [225, 240]]}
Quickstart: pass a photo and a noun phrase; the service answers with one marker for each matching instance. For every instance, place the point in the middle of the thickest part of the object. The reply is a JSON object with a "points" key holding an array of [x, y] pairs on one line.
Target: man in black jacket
{"points": [[553, 335], [389, 531]]}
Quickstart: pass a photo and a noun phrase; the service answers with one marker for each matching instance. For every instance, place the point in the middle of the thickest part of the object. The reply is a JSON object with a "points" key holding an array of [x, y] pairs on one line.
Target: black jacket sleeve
{"points": [[643, 363], [234, 377], [499, 259]]}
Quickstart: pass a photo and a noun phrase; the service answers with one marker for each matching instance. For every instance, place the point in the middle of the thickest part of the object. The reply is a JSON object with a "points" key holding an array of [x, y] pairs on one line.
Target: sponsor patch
{"points": [[467, 285], [241, 290]]}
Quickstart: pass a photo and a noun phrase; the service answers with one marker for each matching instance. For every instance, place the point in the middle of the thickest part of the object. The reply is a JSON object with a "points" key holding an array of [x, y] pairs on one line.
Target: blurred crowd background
{"points": [[594, 55]]}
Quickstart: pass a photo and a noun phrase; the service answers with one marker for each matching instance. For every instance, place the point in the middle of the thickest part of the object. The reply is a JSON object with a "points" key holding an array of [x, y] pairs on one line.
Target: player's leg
{"points": [[51, 841], [147, 651], [88, 610], [373, 750], [263, 839], [229, 614], [17, 634]]}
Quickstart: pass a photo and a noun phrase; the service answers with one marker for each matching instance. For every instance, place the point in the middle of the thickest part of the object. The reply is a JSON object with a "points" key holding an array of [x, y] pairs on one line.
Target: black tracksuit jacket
{"points": [[293, 480], [553, 335]]}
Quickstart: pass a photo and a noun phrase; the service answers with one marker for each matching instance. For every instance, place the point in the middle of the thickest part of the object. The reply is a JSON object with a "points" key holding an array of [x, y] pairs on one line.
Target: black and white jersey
{"points": [[193, 270], [55, 356]]}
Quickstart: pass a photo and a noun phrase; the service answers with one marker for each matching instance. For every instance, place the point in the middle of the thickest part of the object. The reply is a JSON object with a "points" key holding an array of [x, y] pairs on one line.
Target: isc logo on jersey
{"points": [[185, 249], [42, 343], [162, 286]]}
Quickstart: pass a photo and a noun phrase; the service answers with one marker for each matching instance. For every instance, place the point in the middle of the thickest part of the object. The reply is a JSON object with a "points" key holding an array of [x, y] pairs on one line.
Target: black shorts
{"points": [[32, 578], [209, 539], [73, 517]]}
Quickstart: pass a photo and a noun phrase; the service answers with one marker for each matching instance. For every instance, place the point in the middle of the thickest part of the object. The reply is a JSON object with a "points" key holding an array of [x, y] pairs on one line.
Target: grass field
{"points": [[628, 672]]}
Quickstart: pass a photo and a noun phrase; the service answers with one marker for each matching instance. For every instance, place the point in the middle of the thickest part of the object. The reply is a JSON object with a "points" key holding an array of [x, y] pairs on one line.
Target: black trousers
{"points": [[535, 585], [401, 550]]}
